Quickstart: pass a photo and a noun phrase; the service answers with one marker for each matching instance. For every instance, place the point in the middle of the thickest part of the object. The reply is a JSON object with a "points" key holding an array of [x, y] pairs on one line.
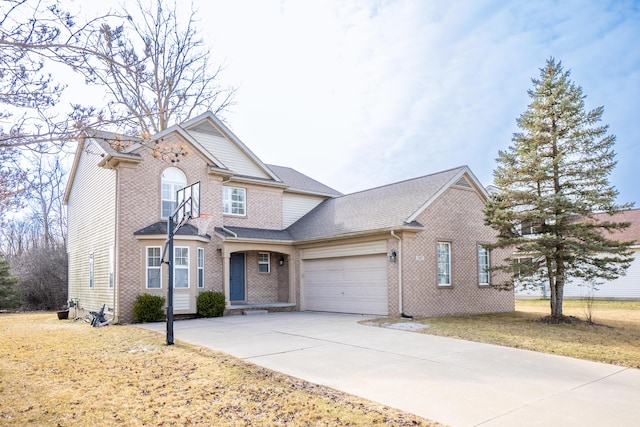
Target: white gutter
{"points": [[399, 272]]}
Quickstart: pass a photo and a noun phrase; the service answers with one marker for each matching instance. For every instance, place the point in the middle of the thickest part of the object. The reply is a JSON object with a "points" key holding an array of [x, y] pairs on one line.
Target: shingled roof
{"points": [[630, 233], [387, 207], [301, 183]]}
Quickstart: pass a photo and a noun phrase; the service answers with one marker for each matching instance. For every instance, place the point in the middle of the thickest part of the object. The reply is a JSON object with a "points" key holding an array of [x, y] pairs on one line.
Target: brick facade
{"points": [[455, 217]]}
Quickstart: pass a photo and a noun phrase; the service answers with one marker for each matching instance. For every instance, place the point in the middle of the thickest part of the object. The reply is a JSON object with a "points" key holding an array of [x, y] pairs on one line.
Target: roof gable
{"points": [[217, 140], [382, 208]]}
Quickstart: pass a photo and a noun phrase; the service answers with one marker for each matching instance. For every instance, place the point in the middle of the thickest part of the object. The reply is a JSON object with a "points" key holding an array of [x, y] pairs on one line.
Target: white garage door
{"points": [[356, 284]]}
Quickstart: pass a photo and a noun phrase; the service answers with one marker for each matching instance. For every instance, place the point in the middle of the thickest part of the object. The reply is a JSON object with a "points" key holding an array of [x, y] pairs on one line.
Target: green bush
{"points": [[210, 304], [148, 308]]}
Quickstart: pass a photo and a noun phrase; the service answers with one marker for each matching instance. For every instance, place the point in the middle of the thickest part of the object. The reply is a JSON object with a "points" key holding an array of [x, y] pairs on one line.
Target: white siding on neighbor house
{"points": [[624, 287], [229, 153], [295, 206], [91, 224]]}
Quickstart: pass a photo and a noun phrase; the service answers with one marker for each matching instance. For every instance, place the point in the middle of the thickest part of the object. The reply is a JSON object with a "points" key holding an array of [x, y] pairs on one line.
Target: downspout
{"points": [[400, 276], [230, 232]]}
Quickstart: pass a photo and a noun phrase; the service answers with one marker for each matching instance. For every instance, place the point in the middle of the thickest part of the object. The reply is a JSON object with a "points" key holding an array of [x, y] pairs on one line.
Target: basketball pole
{"points": [[180, 215], [170, 285], [172, 229]]}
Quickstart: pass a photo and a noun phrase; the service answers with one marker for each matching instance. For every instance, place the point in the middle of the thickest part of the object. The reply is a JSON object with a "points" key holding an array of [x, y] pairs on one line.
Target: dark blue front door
{"points": [[236, 277]]}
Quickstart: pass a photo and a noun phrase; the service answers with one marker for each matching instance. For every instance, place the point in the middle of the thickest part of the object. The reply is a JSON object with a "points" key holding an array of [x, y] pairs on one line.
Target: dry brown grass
{"points": [[614, 338], [66, 373]]}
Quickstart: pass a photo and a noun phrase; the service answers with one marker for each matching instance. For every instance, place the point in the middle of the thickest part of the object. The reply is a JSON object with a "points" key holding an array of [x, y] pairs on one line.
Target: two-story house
{"points": [[277, 239]]}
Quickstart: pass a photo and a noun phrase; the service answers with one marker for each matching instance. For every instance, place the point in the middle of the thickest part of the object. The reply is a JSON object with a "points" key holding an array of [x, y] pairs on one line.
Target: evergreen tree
{"points": [[8, 294], [551, 180]]}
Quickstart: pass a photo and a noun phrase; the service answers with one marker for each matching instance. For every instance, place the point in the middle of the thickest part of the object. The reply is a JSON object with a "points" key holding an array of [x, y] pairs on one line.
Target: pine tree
{"points": [[552, 180], [8, 292]]}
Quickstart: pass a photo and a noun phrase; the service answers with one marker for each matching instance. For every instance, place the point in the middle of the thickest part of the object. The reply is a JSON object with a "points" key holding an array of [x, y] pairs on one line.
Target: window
{"points": [[173, 179], [200, 267], [181, 267], [111, 268], [444, 264], [263, 262], [483, 265], [233, 201], [91, 269], [154, 267]]}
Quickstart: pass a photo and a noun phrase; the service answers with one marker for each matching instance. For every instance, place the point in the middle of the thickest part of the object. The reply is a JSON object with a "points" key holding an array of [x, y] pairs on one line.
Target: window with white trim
{"points": [[154, 267], [234, 201], [173, 179], [181, 267], [483, 265], [263, 262], [201, 267], [444, 264], [91, 269], [111, 268]]}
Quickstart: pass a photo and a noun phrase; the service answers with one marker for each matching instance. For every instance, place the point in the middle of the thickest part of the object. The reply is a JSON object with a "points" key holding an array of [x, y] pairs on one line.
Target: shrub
{"points": [[211, 304], [148, 308]]}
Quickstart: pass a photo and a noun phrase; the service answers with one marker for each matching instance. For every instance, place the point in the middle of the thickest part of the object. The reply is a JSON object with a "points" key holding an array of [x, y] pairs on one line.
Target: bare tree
{"points": [[155, 68]]}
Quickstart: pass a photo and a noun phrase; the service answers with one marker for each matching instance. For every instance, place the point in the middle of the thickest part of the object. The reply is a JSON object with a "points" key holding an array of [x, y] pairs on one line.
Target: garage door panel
{"points": [[356, 284]]}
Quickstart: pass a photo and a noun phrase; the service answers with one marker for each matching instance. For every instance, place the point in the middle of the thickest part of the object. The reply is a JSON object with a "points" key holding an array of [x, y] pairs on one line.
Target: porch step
{"points": [[252, 312]]}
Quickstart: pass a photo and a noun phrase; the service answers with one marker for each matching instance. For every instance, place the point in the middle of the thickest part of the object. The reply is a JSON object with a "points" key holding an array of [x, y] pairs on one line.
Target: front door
{"points": [[236, 277]]}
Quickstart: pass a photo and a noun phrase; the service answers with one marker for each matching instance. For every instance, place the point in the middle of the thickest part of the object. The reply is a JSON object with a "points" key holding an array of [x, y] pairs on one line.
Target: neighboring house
{"points": [[624, 287], [278, 240]]}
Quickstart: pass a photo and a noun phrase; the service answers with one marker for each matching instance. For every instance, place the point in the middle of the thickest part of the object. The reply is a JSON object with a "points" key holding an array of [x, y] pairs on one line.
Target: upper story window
{"points": [[234, 201], [173, 179]]}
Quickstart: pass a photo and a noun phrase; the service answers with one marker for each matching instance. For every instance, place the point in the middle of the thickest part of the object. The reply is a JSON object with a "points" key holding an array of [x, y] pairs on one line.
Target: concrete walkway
{"points": [[455, 382]]}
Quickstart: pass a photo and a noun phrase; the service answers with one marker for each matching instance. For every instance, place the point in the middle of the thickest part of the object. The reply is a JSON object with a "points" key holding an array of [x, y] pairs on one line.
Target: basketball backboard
{"points": [[188, 198]]}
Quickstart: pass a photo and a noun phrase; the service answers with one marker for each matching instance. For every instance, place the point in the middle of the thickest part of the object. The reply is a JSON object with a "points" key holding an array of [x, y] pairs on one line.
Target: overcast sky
{"points": [[363, 93]]}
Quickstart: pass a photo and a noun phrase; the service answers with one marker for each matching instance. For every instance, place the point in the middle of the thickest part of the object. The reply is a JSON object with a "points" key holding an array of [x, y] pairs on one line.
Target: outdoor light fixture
{"points": [[281, 261], [393, 256]]}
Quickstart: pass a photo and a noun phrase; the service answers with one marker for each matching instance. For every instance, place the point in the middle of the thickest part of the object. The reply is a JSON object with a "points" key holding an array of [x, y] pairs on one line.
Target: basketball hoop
{"points": [[202, 222]]}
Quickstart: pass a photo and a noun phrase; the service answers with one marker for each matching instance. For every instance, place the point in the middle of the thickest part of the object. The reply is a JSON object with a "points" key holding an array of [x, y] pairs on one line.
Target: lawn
{"points": [[613, 338], [64, 373]]}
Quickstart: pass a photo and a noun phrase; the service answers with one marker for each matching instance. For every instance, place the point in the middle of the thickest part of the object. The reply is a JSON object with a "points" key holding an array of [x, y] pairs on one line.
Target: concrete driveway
{"points": [[455, 382]]}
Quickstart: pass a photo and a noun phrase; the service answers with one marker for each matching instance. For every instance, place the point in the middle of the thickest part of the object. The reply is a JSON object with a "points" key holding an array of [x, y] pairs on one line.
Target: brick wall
{"points": [[139, 199], [455, 217]]}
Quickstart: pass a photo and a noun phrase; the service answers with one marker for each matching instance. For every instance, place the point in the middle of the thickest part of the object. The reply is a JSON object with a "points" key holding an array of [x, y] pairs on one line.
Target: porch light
{"points": [[281, 261], [393, 256]]}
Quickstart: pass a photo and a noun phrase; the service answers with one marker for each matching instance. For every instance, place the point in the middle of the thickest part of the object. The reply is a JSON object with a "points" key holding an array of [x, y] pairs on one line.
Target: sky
{"points": [[362, 93]]}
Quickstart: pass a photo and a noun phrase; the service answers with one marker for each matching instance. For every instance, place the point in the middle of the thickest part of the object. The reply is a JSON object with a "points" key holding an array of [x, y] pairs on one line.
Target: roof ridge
{"points": [[403, 181]]}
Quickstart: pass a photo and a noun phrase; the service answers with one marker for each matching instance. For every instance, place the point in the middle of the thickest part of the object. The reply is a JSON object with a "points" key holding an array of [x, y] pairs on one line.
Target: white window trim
{"points": [[155, 267], [91, 270], [227, 202], [177, 267], [484, 266], [200, 268], [448, 272], [267, 262]]}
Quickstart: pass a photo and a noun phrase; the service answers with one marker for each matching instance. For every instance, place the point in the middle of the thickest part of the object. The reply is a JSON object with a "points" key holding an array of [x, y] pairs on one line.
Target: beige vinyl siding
{"points": [[295, 206], [91, 224], [229, 154], [351, 249]]}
